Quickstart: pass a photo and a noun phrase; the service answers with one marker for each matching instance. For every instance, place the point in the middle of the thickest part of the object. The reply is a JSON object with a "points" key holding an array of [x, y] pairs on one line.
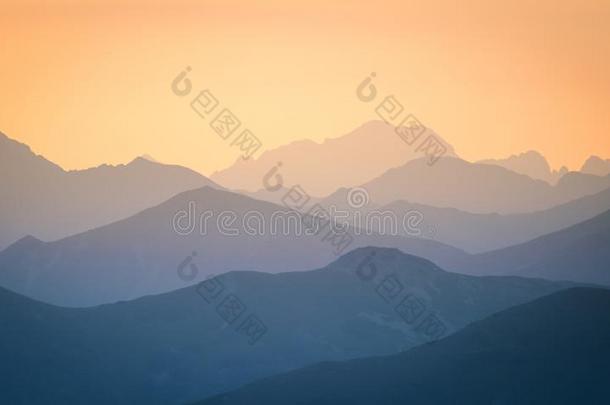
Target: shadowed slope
{"points": [[553, 350]]}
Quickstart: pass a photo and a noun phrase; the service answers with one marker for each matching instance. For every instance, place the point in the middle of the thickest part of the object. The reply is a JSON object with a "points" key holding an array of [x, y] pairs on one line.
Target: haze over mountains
{"points": [[138, 237], [321, 168], [233, 203], [138, 255], [478, 188], [175, 348], [530, 163], [49, 203], [39, 198], [596, 166], [579, 253], [553, 350], [474, 233]]}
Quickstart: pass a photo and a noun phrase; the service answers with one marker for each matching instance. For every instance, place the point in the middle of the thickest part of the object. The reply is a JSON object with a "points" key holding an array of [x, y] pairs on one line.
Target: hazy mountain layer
{"points": [[478, 188], [39, 198], [578, 253], [176, 347], [321, 168], [530, 163], [139, 255], [478, 233]]}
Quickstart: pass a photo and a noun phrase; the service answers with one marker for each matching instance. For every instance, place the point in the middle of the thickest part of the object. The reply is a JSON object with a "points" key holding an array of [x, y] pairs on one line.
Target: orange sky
{"points": [[88, 82]]}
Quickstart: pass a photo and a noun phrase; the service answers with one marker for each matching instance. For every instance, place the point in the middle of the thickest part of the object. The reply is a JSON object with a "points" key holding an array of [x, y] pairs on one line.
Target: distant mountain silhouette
{"points": [[149, 158], [139, 255], [530, 163], [39, 198], [175, 348], [596, 166], [321, 168], [478, 188], [476, 233], [579, 253], [553, 350]]}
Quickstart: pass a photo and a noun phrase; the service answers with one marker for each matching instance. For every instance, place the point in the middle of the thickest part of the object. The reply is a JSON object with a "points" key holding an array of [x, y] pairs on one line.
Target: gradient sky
{"points": [[88, 82]]}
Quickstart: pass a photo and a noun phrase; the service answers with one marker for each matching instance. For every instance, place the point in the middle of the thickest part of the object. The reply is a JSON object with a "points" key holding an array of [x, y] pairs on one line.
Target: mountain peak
{"points": [[388, 260], [25, 243], [149, 158], [531, 163], [343, 161], [140, 160], [596, 166], [43, 199]]}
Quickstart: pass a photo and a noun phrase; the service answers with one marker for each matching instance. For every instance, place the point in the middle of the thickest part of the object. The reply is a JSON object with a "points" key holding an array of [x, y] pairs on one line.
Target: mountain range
{"points": [[40, 198], [530, 163], [179, 347], [476, 233], [345, 161], [477, 188], [578, 253], [139, 255], [150, 283], [49, 203]]}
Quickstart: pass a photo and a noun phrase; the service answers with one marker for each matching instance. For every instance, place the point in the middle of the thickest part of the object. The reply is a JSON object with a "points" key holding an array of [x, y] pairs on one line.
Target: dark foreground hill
{"points": [[554, 350]]}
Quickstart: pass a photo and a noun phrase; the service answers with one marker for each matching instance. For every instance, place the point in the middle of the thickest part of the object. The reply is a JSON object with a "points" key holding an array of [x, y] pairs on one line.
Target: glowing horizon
{"points": [[89, 83]]}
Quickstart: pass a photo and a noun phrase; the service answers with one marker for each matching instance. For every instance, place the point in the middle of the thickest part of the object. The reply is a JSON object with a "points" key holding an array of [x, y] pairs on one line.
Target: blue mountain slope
{"points": [[553, 350], [176, 347]]}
